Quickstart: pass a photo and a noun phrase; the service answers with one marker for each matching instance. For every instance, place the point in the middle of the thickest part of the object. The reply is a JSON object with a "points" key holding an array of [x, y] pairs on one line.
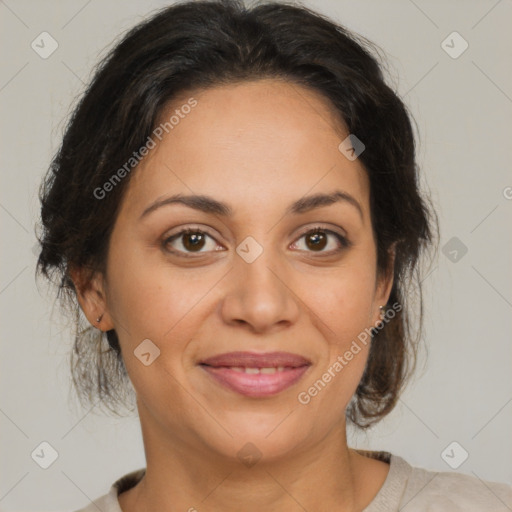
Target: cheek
{"points": [[149, 297], [341, 301], [343, 316], [151, 302]]}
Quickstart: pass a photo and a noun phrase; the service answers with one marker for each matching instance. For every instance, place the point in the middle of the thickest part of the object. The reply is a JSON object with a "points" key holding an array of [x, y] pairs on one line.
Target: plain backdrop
{"points": [[463, 107]]}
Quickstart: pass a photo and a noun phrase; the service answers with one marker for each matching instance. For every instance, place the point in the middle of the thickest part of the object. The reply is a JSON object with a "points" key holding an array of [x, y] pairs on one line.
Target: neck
{"points": [[179, 476]]}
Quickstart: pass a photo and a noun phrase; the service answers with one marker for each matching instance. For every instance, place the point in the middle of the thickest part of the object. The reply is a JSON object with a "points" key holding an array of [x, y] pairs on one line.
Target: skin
{"points": [[258, 146]]}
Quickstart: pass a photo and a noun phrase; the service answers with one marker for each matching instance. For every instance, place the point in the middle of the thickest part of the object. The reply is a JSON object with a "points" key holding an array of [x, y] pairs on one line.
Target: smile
{"points": [[256, 375], [256, 382]]}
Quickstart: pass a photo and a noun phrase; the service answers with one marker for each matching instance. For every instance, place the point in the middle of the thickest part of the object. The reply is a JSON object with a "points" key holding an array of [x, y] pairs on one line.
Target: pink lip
{"points": [[259, 384]]}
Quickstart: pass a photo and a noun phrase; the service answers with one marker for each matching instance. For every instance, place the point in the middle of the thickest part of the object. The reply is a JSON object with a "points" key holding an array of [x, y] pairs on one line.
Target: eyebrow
{"points": [[207, 204]]}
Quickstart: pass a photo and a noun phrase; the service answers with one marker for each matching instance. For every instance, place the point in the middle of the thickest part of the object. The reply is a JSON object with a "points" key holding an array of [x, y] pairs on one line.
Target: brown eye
{"points": [[317, 239], [188, 241], [193, 241]]}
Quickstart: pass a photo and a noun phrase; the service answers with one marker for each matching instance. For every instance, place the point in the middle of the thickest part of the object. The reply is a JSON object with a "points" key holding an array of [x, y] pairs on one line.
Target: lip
{"points": [[219, 367], [257, 360]]}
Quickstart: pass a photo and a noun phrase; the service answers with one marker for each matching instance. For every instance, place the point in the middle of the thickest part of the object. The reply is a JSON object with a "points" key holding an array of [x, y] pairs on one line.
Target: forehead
{"points": [[260, 142]]}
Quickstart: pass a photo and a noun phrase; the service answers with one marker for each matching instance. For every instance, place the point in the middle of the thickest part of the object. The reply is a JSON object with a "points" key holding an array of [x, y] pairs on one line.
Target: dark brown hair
{"points": [[195, 45]]}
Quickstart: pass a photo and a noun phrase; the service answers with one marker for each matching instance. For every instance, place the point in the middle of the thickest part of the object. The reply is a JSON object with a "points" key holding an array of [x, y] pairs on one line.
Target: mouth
{"points": [[256, 374]]}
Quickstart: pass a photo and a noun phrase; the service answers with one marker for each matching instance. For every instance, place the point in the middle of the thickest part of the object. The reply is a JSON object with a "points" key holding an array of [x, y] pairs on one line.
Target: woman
{"points": [[236, 206]]}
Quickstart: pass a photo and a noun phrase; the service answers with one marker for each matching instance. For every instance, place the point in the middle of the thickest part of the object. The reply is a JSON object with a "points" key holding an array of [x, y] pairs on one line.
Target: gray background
{"points": [[463, 107]]}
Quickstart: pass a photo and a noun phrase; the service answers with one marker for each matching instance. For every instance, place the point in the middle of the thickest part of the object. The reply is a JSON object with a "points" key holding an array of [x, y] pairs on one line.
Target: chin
{"points": [[259, 436]]}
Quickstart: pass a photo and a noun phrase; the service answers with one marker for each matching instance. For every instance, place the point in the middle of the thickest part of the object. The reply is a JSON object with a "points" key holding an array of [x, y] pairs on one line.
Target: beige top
{"points": [[405, 488]]}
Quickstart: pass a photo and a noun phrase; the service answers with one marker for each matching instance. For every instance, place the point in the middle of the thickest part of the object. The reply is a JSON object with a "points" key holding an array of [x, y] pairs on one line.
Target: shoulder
{"points": [[110, 502], [420, 490], [454, 492], [105, 503]]}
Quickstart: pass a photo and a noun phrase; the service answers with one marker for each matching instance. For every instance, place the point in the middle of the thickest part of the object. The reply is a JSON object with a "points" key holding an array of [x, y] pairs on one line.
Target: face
{"points": [[264, 271]]}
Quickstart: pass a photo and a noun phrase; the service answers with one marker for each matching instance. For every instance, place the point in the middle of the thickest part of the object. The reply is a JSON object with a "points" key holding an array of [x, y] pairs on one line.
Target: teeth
{"points": [[242, 369]]}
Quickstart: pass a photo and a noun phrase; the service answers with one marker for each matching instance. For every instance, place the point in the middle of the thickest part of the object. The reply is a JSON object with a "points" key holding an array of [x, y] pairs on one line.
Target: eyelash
{"points": [[344, 242]]}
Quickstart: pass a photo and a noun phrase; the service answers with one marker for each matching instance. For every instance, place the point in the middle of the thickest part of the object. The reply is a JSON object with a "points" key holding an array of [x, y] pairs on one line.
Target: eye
{"points": [[191, 240], [317, 238]]}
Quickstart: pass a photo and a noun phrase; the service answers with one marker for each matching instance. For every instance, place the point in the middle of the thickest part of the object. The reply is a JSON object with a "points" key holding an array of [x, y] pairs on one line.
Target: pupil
{"points": [[193, 240], [318, 240]]}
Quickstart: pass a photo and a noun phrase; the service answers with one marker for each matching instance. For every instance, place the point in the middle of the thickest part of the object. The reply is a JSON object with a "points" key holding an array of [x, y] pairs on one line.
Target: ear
{"points": [[384, 286], [91, 295]]}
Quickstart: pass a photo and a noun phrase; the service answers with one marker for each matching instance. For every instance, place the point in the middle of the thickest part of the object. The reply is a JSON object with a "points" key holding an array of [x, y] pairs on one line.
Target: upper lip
{"points": [[257, 360]]}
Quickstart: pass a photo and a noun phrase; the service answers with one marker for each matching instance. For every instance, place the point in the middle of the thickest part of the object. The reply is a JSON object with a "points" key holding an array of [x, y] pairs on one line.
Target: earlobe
{"points": [[386, 283], [91, 297]]}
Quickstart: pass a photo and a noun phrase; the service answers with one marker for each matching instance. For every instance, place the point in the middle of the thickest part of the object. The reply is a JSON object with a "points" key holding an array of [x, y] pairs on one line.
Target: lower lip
{"points": [[256, 384]]}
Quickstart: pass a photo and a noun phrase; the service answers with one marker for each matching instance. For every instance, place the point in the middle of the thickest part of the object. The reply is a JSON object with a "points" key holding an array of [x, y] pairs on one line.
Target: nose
{"points": [[260, 295]]}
